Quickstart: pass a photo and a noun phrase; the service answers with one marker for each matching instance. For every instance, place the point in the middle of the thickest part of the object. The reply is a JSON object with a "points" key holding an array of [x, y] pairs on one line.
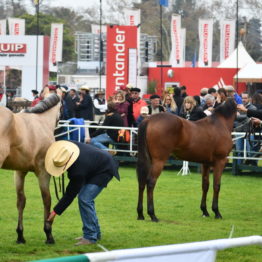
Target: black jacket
{"points": [[111, 120], [93, 166]]}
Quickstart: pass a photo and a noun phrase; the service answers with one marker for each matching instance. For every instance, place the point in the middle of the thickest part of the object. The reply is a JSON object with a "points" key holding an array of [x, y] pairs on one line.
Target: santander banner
{"points": [[119, 40], [16, 26], [205, 42], [3, 27], [227, 38], [56, 46], [176, 51]]}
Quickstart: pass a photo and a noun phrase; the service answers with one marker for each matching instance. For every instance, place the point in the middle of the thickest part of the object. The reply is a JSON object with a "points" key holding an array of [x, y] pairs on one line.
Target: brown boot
{"points": [[84, 241]]}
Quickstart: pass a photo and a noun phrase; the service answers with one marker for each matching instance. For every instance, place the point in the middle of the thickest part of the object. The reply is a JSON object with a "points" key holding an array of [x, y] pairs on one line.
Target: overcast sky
{"points": [[76, 4]]}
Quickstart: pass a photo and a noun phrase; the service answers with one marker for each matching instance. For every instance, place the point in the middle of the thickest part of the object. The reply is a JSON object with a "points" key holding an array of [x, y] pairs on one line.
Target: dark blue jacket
{"points": [[93, 166]]}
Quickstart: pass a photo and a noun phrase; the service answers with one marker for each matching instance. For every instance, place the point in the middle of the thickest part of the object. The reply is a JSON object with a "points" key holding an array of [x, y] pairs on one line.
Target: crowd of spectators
{"points": [[126, 108]]}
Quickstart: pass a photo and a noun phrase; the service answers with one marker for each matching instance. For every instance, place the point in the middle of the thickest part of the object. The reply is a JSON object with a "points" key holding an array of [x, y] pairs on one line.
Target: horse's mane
{"points": [[44, 105], [227, 109]]}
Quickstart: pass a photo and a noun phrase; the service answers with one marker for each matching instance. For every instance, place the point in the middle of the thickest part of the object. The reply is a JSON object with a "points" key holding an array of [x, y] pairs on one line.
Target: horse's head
{"points": [[227, 109]]}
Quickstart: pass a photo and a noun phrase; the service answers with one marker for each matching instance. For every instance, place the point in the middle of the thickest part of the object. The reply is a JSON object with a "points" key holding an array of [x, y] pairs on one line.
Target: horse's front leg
{"points": [[44, 181], [151, 182], [205, 187], [218, 170], [20, 204]]}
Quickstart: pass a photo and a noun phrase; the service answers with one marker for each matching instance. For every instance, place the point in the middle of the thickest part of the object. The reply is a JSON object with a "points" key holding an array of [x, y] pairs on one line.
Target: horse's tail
{"points": [[143, 159]]}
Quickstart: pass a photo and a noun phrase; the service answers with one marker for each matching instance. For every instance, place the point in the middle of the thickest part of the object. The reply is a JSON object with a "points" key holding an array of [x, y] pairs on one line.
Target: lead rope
{"points": [[61, 186]]}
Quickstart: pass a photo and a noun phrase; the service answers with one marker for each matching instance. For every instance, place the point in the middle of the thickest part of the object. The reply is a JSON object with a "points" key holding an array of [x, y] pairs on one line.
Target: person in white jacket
{"points": [[100, 107]]}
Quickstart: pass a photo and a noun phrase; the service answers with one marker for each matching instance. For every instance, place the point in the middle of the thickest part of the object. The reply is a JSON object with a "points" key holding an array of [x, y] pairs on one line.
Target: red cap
{"points": [[52, 87]]}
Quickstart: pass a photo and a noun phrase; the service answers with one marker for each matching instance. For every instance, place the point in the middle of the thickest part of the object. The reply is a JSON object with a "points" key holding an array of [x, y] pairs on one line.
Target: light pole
{"points": [[100, 47], [237, 26], [36, 2]]}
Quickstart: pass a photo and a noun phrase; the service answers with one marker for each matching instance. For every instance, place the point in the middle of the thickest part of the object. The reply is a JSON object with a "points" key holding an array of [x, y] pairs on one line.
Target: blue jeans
{"points": [[98, 141], [86, 203], [240, 147]]}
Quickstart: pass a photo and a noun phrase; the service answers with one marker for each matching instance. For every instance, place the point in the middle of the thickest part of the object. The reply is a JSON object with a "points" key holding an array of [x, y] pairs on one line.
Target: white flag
{"points": [[16, 26], [205, 42], [95, 29], [176, 50], [56, 46], [3, 27], [227, 38]]}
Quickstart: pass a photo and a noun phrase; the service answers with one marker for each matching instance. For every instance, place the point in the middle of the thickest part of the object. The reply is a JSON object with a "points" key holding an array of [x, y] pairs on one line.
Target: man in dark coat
{"points": [[84, 108], [89, 171]]}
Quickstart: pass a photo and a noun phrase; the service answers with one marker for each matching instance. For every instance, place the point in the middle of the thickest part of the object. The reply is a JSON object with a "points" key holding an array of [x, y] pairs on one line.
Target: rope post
{"points": [[185, 169]]}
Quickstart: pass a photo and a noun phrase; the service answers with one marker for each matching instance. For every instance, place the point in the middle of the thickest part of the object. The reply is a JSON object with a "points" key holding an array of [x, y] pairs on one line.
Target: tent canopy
{"points": [[238, 59], [252, 73]]}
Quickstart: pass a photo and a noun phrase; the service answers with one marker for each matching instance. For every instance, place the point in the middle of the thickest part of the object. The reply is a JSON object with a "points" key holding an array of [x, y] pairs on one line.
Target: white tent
{"points": [[238, 59], [252, 73]]}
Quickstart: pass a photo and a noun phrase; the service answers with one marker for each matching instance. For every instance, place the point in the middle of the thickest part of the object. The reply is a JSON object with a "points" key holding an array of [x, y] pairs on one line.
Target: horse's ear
{"points": [[59, 92], [45, 92]]}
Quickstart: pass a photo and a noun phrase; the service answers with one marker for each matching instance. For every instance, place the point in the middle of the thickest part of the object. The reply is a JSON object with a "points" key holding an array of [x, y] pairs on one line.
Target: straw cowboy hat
{"points": [[60, 156], [84, 88]]}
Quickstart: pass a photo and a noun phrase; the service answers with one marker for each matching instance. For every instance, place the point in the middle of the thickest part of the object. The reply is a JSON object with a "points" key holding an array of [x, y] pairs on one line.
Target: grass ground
{"points": [[177, 200]]}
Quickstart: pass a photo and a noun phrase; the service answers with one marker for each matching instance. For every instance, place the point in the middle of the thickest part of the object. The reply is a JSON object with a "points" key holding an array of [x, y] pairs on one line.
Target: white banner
{"points": [[227, 38], [3, 27], [176, 50], [95, 29], [56, 46], [205, 42], [183, 46], [132, 66], [132, 17], [16, 26]]}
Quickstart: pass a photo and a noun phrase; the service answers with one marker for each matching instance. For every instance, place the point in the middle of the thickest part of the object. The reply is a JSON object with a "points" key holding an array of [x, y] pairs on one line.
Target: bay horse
{"points": [[207, 141], [25, 138]]}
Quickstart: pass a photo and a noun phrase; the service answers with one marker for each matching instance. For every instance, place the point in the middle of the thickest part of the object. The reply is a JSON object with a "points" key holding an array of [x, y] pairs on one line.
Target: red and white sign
{"points": [[16, 26], [176, 51], [205, 42], [119, 40], [56, 46], [227, 38], [3, 27], [20, 53], [12, 48]]}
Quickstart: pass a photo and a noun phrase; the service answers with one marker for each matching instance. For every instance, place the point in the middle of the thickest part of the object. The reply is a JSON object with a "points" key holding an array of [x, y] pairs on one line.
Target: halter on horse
{"points": [[25, 138], [207, 141]]}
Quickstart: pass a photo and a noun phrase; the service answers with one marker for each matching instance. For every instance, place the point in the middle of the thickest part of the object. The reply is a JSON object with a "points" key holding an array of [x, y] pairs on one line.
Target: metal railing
{"points": [[132, 149]]}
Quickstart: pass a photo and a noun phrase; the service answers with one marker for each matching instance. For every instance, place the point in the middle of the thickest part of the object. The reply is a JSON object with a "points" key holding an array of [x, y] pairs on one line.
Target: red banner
{"points": [[119, 40]]}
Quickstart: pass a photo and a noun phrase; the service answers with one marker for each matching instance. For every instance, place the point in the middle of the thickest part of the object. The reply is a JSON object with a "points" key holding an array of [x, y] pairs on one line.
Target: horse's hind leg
{"points": [[218, 169], [21, 201], [141, 188], [205, 187], [155, 172], [44, 181]]}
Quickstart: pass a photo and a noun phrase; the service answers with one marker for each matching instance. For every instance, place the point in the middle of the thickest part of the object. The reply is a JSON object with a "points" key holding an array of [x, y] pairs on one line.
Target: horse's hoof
{"points": [[20, 241], [140, 218], [50, 241], [218, 216], [154, 219], [205, 214]]}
